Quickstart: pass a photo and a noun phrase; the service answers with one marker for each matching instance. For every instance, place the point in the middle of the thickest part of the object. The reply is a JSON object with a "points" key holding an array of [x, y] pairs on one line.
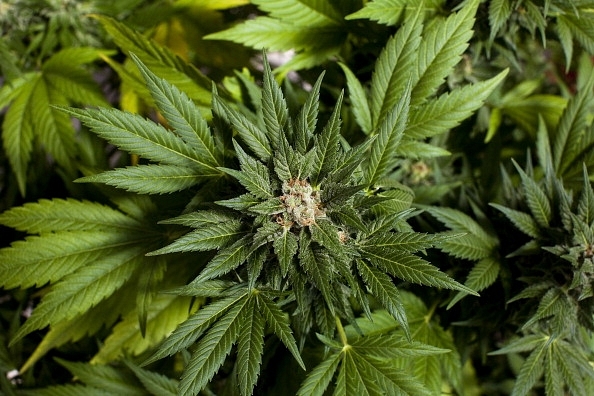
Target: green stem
{"points": [[341, 333]]}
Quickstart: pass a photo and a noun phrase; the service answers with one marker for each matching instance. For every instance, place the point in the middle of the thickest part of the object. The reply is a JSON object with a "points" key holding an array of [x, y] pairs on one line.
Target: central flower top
{"points": [[302, 204]]}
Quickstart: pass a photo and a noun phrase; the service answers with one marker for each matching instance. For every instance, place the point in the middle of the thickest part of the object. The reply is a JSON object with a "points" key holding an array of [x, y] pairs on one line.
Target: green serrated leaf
{"points": [[107, 378], [390, 132], [523, 221], [38, 260], [157, 384], [393, 346], [160, 60], [411, 268], [358, 98], [469, 247], [390, 80], [250, 347], [461, 222], [150, 179], [212, 349], [444, 113], [440, 50], [57, 215], [138, 135], [531, 371], [537, 201], [326, 146], [279, 323], [83, 289], [250, 133], [381, 286], [181, 114], [203, 239], [308, 117], [285, 248], [226, 260], [253, 176], [274, 107], [391, 12], [481, 276], [319, 378], [201, 218], [164, 314], [190, 330], [18, 131], [409, 242]]}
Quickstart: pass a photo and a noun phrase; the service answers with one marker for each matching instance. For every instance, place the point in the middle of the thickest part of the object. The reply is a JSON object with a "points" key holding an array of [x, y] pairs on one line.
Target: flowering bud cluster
{"points": [[302, 204]]}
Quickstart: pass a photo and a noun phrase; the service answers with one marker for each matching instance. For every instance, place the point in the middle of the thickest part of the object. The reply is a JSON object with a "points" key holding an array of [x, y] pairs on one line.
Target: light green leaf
{"points": [[382, 287], [146, 288], [581, 28], [274, 108], [390, 80], [499, 13], [531, 371], [64, 73], [441, 49], [106, 313], [79, 291], [68, 214], [302, 13], [468, 246], [461, 222], [412, 269], [285, 247], [38, 260], [414, 149], [202, 239], [160, 60], [157, 384], [481, 276], [389, 134], [18, 131], [137, 135], [164, 314], [279, 323], [250, 347], [326, 146], [358, 98], [150, 179], [190, 330], [537, 201], [319, 378], [107, 378], [212, 349], [523, 221], [276, 35], [254, 175], [391, 12], [182, 115], [444, 113]]}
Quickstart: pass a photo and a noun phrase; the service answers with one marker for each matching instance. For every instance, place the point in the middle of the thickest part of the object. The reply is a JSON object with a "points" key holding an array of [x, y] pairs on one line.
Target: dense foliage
{"points": [[403, 207]]}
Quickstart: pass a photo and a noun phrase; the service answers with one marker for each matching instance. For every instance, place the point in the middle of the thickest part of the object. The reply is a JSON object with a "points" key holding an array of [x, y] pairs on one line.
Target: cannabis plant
{"points": [[254, 244]]}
